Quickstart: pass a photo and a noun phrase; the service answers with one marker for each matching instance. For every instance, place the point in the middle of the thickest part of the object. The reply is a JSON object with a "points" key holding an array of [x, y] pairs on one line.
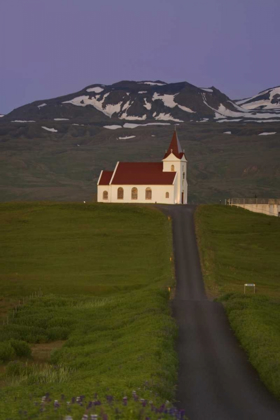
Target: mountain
{"points": [[147, 102], [268, 99], [55, 149]]}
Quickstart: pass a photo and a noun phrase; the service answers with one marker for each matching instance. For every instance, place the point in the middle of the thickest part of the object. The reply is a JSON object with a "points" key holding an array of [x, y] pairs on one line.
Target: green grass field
{"points": [[101, 323], [237, 247]]}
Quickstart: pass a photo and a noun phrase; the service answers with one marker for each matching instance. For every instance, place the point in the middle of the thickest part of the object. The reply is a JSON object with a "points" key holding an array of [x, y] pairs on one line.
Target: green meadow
{"points": [[85, 311], [237, 247]]}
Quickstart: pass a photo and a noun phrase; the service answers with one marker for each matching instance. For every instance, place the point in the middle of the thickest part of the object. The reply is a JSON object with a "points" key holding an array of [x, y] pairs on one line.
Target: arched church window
{"points": [[148, 193], [167, 195], [172, 168], [183, 175], [120, 193], [134, 193], [105, 195]]}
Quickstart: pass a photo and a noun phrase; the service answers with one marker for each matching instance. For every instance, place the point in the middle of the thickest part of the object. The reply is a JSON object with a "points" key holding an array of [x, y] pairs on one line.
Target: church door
{"points": [[183, 197]]}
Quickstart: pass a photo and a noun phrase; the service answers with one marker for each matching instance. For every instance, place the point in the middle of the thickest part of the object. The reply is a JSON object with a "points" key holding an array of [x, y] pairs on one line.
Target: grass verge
{"points": [[237, 247]]}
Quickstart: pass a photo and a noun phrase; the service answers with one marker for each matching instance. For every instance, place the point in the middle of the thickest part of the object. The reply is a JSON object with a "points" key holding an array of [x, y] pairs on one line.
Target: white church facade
{"points": [[162, 182]]}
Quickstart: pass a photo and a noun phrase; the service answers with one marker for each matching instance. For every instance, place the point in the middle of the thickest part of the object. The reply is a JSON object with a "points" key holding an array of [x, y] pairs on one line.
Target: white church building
{"points": [[147, 182]]}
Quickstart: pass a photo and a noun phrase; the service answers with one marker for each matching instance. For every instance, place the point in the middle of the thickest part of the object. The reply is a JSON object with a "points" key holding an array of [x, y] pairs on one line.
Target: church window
{"points": [[134, 193], [148, 193], [120, 193], [105, 195], [172, 168], [167, 195], [183, 175]]}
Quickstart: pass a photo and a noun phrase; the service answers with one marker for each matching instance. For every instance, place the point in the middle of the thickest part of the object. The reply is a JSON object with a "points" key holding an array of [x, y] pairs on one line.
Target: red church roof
{"points": [[105, 177], [175, 147], [142, 173]]}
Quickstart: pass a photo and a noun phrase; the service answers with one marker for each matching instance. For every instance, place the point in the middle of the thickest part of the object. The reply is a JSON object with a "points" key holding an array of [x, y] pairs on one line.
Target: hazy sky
{"points": [[53, 47]]}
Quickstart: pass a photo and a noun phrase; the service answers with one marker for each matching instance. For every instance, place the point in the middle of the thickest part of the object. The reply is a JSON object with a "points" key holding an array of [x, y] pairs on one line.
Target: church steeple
{"points": [[175, 147]]}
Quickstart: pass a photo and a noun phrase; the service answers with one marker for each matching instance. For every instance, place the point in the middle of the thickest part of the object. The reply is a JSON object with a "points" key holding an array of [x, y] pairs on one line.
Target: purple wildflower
{"points": [[124, 400], [109, 398], [56, 404], [182, 414]]}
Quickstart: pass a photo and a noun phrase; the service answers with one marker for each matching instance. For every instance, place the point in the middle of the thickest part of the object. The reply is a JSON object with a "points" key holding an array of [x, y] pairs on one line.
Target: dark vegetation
{"points": [[64, 166], [237, 247], [103, 273]]}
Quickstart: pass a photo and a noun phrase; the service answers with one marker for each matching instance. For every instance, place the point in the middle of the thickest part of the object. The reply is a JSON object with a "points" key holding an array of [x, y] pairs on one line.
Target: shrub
{"points": [[58, 333], [7, 352], [21, 348]]}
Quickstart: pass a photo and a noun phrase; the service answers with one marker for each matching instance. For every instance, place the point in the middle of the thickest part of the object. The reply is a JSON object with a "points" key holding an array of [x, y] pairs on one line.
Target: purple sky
{"points": [[50, 48]]}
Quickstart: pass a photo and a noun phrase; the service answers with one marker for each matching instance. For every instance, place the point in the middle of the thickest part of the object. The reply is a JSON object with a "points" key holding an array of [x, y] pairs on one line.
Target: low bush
{"points": [[7, 351], [21, 348], [58, 333]]}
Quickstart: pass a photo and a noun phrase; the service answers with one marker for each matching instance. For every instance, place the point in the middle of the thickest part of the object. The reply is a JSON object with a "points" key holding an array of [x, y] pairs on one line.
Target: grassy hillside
{"points": [[64, 166], [101, 323], [237, 247]]}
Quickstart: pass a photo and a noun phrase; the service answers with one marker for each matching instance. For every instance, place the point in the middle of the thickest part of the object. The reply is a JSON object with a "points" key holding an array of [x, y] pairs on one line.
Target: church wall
{"points": [[158, 194], [100, 190]]}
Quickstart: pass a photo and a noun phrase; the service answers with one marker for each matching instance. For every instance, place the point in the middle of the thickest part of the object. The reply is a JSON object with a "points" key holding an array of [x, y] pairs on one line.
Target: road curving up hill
{"points": [[216, 381]]}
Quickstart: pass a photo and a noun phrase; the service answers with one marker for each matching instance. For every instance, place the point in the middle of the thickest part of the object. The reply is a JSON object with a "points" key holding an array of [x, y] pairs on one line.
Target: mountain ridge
{"points": [[150, 101]]}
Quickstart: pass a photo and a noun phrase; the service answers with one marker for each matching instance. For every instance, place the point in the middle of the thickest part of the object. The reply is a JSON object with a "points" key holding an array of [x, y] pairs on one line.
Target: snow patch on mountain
{"points": [[165, 117], [113, 109], [23, 121], [52, 130], [126, 106], [185, 108], [142, 91], [227, 132], [147, 104], [61, 119], [131, 125], [207, 90], [133, 117], [112, 127], [126, 137], [232, 120], [41, 106], [96, 89], [84, 100], [169, 102], [152, 83], [267, 134], [264, 121]]}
